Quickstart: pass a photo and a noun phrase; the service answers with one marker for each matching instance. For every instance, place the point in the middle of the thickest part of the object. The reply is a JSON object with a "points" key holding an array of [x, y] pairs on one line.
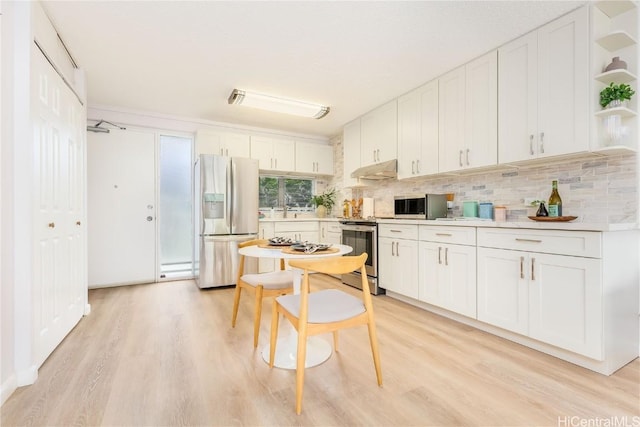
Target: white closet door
{"points": [[59, 272], [121, 207]]}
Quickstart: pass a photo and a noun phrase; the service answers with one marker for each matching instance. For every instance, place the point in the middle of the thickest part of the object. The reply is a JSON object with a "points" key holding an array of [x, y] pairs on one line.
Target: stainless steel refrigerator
{"points": [[226, 213]]}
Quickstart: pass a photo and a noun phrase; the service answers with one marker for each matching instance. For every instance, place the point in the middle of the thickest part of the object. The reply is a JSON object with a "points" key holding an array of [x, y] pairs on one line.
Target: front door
{"points": [[121, 207]]}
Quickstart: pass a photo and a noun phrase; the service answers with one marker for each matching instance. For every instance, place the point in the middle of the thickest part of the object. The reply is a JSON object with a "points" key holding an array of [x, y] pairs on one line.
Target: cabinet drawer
{"points": [[296, 226], [400, 231], [456, 235], [561, 242], [333, 227]]}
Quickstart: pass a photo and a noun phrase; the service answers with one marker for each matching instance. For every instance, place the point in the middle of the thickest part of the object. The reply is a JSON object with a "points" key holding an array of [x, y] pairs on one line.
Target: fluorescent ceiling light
{"points": [[278, 105]]}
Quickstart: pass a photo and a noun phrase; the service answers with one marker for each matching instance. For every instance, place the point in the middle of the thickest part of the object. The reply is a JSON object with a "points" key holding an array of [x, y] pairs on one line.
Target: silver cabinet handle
{"points": [[378, 154], [418, 166], [444, 234], [397, 248], [542, 142], [531, 144], [439, 255], [262, 232], [149, 218], [528, 240], [413, 167], [276, 163], [374, 156], [271, 163], [460, 158], [392, 252], [446, 256], [396, 231], [222, 151], [468, 156], [323, 233], [533, 267], [226, 151], [522, 267]]}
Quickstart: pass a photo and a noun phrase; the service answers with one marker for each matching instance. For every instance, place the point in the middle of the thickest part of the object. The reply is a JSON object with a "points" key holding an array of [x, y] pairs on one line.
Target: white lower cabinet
{"points": [[553, 298], [447, 276], [330, 233], [266, 230], [398, 259], [447, 268]]}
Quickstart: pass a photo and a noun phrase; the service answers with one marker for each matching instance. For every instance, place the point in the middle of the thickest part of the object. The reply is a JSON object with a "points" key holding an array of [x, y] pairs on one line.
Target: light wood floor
{"points": [[165, 354]]}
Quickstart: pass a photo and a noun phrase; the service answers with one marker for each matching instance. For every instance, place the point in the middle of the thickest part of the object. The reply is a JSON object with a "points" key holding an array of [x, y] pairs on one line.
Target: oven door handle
{"points": [[365, 228]]}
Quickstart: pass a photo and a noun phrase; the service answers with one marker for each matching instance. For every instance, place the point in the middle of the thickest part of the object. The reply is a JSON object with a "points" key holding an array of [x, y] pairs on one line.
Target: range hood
{"points": [[384, 170]]}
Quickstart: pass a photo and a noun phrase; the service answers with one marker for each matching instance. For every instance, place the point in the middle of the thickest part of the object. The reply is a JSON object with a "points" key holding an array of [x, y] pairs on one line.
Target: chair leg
{"points": [[274, 333], [300, 362], [257, 315], [373, 339], [335, 341], [236, 303]]}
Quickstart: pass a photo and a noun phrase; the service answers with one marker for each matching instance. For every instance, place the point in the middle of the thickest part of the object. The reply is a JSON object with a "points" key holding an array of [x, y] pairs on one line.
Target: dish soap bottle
{"points": [[542, 210], [555, 202]]}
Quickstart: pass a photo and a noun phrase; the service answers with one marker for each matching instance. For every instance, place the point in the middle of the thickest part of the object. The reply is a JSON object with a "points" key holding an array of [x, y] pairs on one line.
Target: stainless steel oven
{"points": [[362, 236]]}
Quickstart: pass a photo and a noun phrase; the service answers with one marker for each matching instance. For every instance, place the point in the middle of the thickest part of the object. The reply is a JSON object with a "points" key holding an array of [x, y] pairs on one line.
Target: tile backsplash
{"points": [[595, 189]]}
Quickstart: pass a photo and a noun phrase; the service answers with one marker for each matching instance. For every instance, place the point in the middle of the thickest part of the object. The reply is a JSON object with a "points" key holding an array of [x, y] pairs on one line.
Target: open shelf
{"points": [[616, 40], [616, 76], [615, 8], [622, 111]]}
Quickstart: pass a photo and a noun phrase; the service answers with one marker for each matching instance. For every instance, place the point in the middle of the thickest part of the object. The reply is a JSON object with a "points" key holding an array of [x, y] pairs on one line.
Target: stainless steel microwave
{"points": [[428, 206]]}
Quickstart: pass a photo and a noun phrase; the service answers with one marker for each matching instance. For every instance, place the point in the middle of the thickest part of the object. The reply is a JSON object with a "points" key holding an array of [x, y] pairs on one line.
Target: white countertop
{"points": [[571, 225]]}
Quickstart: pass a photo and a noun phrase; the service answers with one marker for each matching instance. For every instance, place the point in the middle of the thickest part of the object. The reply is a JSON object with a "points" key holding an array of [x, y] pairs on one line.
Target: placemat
{"points": [[294, 252], [267, 246]]}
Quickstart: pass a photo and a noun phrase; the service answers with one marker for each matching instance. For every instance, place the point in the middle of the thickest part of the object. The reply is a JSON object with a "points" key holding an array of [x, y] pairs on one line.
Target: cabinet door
{"points": [[208, 142], [235, 145], [459, 275], [503, 298], [351, 148], [563, 76], [379, 134], [451, 120], [408, 134], [418, 132], [517, 99], [262, 150], [429, 273], [481, 113], [284, 155], [397, 261], [314, 158], [566, 303]]}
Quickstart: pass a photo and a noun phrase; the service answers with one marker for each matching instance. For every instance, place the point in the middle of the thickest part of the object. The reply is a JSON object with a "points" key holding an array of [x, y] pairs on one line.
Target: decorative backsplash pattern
{"points": [[595, 189]]}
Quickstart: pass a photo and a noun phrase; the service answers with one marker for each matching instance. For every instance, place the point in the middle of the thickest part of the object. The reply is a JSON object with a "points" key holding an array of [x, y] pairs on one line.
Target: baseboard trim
{"points": [[7, 388], [87, 309], [27, 377]]}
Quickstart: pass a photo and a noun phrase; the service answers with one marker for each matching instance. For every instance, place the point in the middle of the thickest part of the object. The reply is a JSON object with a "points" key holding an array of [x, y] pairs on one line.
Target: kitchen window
{"points": [[276, 192]]}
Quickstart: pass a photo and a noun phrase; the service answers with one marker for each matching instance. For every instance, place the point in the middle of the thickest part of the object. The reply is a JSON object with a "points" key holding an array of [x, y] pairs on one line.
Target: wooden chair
{"points": [[324, 311], [263, 285]]}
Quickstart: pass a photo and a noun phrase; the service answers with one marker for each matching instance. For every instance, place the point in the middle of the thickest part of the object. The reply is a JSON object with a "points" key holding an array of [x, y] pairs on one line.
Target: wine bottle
{"points": [[542, 210], [555, 202]]}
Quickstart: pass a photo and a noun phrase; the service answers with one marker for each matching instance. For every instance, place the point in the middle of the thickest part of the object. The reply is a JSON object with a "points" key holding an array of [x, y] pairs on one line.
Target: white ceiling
{"points": [[184, 58]]}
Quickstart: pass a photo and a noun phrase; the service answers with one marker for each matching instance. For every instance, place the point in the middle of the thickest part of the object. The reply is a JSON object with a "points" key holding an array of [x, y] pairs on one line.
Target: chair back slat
{"points": [[337, 265]]}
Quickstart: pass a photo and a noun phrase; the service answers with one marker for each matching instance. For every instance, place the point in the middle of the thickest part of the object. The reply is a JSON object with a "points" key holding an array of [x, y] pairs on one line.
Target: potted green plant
{"points": [[614, 95], [324, 202]]}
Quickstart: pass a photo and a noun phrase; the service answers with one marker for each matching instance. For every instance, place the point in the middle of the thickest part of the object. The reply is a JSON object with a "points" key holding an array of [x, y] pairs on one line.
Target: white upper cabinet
{"points": [[222, 143], [451, 120], [314, 158], [468, 115], [418, 132], [543, 91], [379, 134], [351, 148], [481, 112], [274, 153]]}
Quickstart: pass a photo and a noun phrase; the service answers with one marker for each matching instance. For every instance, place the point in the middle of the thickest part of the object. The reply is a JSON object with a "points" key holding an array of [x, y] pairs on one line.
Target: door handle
{"points": [[533, 266], [531, 144], [522, 267], [149, 218]]}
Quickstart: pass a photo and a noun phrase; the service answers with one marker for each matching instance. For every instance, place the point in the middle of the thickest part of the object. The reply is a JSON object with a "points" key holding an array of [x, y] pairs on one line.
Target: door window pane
{"points": [[175, 211]]}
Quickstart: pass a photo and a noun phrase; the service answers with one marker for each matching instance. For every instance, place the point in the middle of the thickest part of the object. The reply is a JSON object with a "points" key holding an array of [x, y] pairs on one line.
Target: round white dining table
{"points": [[318, 350]]}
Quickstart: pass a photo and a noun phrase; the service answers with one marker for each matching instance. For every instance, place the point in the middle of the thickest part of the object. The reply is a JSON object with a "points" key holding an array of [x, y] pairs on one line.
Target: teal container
{"points": [[470, 209]]}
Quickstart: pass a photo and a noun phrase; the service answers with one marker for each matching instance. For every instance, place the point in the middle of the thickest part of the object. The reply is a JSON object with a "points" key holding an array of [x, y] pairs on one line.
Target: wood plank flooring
{"points": [[165, 355]]}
